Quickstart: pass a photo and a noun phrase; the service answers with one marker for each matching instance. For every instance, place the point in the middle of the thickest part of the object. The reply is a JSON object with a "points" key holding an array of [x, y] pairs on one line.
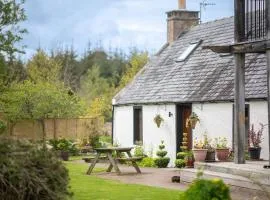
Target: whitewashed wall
{"points": [[258, 114], [152, 135], [216, 121]]}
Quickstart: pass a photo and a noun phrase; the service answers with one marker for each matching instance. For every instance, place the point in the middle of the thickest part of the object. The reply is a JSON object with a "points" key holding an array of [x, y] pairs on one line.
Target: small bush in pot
{"points": [[222, 148], [180, 163], [254, 141], [199, 151], [162, 161], [189, 159], [211, 153]]}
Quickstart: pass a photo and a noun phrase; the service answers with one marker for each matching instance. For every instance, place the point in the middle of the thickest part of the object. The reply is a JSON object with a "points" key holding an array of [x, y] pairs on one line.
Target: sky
{"points": [[119, 24]]}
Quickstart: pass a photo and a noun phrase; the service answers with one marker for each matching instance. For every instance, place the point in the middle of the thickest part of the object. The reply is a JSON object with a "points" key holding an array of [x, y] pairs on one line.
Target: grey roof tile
{"points": [[203, 76]]}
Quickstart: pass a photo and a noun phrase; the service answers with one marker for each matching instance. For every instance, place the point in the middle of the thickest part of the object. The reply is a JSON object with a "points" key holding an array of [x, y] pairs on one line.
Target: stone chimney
{"points": [[180, 20]]}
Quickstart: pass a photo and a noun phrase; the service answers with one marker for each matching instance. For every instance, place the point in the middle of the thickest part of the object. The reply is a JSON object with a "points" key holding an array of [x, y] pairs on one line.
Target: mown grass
{"points": [[91, 187]]}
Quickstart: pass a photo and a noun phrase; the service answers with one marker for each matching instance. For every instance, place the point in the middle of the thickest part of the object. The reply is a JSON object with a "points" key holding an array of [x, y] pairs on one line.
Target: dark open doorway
{"points": [[183, 111]]}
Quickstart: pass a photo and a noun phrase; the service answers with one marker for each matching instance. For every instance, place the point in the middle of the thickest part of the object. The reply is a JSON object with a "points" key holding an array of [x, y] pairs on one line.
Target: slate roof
{"points": [[204, 76]]}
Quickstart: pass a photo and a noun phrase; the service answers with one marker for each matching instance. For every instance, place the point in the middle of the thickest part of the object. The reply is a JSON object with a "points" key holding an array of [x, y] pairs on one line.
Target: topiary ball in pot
{"points": [[180, 163]]}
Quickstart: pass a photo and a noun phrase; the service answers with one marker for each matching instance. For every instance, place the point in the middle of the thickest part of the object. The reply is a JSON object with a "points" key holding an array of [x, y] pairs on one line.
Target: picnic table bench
{"points": [[114, 161]]}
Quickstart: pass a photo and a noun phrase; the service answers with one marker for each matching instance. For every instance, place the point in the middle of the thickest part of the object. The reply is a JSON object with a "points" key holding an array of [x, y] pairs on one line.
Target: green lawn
{"points": [[90, 187]]}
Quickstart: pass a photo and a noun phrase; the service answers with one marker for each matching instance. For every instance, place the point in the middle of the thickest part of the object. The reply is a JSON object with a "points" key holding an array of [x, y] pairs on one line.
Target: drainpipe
{"points": [[112, 122]]}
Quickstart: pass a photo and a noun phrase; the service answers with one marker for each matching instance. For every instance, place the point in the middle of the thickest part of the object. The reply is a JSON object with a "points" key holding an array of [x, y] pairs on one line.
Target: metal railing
{"points": [[255, 23]]}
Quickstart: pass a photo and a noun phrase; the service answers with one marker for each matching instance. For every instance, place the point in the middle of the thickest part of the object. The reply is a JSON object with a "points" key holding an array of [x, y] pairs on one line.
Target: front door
{"points": [[182, 114]]}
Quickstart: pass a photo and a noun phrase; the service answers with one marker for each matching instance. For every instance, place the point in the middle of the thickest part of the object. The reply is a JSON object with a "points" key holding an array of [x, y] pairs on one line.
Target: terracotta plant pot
{"points": [[254, 153], [223, 154], [189, 163], [199, 154]]}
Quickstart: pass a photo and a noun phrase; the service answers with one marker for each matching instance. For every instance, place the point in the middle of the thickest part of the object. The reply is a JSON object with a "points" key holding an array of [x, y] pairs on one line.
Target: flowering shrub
{"points": [[221, 143], [198, 144], [255, 137]]}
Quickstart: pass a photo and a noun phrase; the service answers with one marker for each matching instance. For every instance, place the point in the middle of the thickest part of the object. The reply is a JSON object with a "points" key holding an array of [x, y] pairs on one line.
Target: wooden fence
{"points": [[54, 128]]}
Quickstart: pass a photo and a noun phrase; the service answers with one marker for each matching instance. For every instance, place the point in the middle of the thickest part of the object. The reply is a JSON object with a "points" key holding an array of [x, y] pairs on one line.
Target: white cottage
{"points": [[182, 78]]}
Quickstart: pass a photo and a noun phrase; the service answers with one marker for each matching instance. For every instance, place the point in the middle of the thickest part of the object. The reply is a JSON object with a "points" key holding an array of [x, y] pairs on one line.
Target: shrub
{"points": [[66, 145], [180, 163], [147, 162], [181, 155], [30, 171], [162, 153], [162, 161], [3, 126], [202, 189], [139, 151]]}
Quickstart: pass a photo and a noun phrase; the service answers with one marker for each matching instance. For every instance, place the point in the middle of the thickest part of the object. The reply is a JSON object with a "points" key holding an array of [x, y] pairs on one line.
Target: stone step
{"points": [[251, 171], [188, 175]]}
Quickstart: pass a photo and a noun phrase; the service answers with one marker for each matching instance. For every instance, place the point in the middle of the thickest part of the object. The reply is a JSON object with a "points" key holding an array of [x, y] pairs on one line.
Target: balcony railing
{"points": [[255, 23]]}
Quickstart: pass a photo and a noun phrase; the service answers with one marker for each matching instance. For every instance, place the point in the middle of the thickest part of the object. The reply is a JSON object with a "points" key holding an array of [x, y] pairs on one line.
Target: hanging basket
{"points": [[158, 120]]}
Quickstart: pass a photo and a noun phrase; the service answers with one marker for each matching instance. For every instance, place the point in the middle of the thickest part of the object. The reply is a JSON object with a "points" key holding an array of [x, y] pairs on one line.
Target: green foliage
{"points": [[139, 151], [30, 171], [39, 101], [137, 61], [180, 163], [147, 162], [162, 161], [161, 153], [181, 155], [3, 126], [12, 13], [202, 189], [43, 69], [63, 144]]}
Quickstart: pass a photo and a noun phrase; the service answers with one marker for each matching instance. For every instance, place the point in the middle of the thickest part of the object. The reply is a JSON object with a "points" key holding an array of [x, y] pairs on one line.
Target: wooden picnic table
{"points": [[114, 161]]}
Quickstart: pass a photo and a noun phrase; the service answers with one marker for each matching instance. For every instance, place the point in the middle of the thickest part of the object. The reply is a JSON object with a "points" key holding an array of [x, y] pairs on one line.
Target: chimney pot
{"points": [[182, 4]]}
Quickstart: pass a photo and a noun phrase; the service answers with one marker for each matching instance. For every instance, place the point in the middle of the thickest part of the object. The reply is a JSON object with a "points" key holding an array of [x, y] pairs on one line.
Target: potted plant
{"points": [[162, 161], [64, 146], [158, 120], [192, 120], [189, 159], [211, 153], [222, 148], [3, 127], [199, 151], [254, 141]]}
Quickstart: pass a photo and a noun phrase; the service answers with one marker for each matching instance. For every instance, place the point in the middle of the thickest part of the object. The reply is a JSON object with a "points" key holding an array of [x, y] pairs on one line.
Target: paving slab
{"points": [[162, 178]]}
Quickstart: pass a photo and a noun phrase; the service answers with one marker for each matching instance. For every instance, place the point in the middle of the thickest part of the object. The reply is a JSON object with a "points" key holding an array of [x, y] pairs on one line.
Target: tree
{"points": [[39, 101], [137, 61], [69, 72], [42, 68], [11, 13], [93, 85]]}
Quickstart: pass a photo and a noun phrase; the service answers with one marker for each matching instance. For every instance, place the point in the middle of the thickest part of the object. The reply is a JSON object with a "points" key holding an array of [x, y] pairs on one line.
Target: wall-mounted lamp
{"points": [[170, 114]]}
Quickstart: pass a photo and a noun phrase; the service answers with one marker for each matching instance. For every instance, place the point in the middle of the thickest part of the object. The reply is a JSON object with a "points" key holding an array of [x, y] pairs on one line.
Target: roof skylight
{"points": [[188, 51]]}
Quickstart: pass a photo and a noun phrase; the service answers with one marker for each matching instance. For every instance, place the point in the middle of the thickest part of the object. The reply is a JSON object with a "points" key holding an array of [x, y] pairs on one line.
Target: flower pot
{"points": [[199, 154], [254, 153], [64, 155], [210, 156], [223, 154], [189, 163]]}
